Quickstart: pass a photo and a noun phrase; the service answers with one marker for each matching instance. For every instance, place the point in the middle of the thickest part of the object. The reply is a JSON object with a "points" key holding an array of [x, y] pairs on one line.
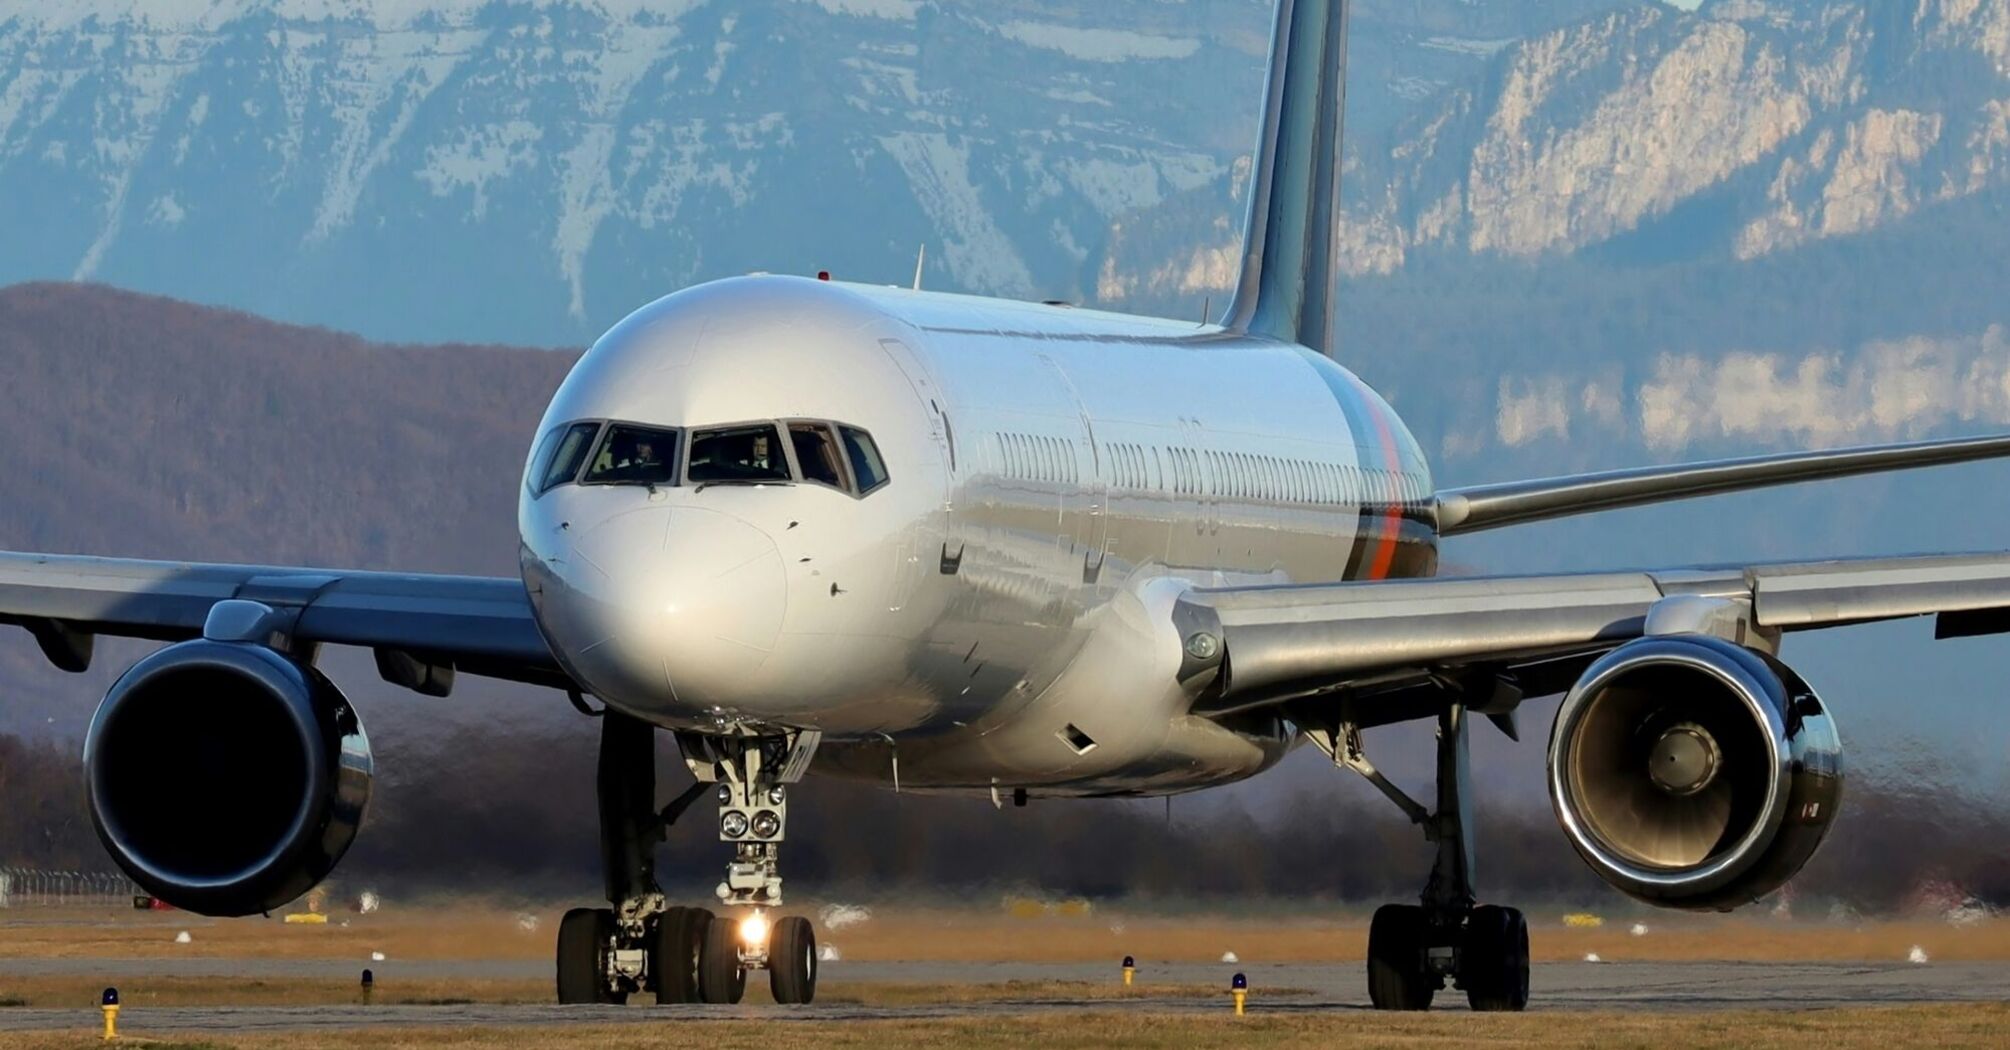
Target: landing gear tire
{"points": [[585, 936], [1398, 976], [675, 952], [792, 961], [721, 978], [1493, 968]]}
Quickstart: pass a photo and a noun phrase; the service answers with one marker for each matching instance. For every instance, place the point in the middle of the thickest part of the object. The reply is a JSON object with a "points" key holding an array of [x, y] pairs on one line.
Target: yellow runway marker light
{"points": [[109, 1003], [1239, 987], [1130, 970]]}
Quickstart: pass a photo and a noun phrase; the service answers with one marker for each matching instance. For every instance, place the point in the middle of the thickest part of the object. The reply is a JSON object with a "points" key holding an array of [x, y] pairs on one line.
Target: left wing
{"points": [[421, 627], [1534, 633]]}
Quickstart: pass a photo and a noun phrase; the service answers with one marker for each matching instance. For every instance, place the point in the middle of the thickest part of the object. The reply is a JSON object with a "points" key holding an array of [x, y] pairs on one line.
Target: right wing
{"points": [[1281, 644], [421, 627], [1478, 507]]}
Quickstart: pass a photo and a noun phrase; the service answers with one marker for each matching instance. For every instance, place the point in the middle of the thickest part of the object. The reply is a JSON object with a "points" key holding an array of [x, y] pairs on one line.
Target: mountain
{"points": [[1657, 233], [527, 172], [138, 426], [1592, 230]]}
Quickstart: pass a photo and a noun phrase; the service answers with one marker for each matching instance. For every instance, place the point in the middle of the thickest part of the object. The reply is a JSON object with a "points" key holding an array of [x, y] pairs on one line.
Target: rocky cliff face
{"points": [[1756, 225], [529, 171], [1538, 194], [1744, 129]]}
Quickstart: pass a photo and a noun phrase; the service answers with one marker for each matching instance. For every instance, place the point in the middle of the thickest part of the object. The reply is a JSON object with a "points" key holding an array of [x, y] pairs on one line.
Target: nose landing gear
{"points": [[684, 954], [752, 774], [1413, 948]]}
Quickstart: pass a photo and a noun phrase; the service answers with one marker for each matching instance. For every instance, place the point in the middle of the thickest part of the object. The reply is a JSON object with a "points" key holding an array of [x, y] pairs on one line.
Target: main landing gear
{"points": [[686, 954], [1413, 948]]}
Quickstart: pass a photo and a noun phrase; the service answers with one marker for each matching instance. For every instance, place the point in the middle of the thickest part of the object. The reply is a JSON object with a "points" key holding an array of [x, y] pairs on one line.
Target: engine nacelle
{"points": [[1694, 773], [225, 777]]}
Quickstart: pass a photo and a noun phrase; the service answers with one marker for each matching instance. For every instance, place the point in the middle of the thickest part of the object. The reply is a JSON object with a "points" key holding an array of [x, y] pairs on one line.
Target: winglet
{"points": [[1516, 502]]}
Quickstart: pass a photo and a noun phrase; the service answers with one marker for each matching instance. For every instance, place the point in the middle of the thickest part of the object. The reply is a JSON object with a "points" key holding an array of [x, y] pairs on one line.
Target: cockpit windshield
{"points": [[817, 454], [591, 452], [559, 458], [632, 455], [751, 453]]}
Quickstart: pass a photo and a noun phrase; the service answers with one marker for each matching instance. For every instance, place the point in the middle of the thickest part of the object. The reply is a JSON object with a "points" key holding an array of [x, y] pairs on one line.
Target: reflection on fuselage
{"points": [[1037, 483]]}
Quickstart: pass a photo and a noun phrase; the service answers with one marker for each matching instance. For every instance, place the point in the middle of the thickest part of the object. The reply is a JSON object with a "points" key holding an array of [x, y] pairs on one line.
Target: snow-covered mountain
{"points": [[1756, 223], [527, 171], [1760, 224]]}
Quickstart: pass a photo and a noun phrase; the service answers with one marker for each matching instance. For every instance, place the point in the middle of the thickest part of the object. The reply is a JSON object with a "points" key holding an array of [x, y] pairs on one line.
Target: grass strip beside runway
{"points": [[1965, 1025]]}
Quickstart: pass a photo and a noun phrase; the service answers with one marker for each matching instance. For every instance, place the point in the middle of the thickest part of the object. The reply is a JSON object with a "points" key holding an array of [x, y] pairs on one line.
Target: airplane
{"points": [[958, 544]]}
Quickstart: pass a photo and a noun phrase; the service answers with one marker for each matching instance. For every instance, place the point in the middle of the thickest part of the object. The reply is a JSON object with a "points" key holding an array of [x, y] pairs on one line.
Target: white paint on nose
{"points": [[692, 601]]}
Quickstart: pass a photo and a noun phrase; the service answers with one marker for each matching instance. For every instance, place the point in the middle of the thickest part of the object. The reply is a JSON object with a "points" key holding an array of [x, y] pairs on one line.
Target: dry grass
{"points": [[1854, 1029], [977, 935], [140, 993]]}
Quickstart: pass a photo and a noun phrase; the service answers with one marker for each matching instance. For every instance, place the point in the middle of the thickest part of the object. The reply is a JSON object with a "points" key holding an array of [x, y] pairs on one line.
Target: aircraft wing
{"points": [[422, 627], [1401, 640], [1479, 507]]}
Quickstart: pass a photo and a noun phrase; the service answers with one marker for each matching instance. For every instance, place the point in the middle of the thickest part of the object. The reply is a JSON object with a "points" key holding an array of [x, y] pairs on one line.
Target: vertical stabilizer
{"points": [[1290, 247]]}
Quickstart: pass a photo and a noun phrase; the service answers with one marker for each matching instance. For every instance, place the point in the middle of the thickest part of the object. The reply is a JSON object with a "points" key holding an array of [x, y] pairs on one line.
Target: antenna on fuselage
{"points": [[1290, 241], [919, 258]]}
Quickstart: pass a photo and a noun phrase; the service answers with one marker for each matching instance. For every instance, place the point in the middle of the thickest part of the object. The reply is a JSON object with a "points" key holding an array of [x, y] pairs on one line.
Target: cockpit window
{"points": [[746, 453], [866, 465], [559, 460], [817, 454], [632, 455]]}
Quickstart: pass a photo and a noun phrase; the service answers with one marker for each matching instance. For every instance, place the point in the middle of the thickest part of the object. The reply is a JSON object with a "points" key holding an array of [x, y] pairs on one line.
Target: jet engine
{"points": [[1693, 773], [226, 778]]}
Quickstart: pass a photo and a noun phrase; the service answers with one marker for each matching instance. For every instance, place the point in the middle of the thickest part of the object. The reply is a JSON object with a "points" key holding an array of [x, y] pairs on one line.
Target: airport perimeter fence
{"points": [[36, 888]]}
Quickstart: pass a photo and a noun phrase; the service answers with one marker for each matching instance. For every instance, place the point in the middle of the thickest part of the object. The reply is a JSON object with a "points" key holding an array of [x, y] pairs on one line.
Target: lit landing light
{"points": [[754, 929]]}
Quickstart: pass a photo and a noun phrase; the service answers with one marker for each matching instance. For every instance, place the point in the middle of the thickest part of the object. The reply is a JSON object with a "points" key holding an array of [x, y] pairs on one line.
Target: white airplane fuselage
{"points": [[998, 614]]}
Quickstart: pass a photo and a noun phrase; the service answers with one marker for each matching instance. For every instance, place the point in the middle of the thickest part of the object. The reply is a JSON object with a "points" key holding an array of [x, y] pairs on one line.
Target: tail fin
{"points": [[1290, 244]]}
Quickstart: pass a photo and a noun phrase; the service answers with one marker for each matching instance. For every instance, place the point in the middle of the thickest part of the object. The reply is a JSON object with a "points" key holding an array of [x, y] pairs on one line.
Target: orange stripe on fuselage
{"points": [[1392, 519]]}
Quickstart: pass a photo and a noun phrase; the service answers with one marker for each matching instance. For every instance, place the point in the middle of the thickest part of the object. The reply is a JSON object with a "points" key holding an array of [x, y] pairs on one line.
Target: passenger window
{"points": [[817, 454], [631, 455], [866, 466], [565, 456], [749, 454]]}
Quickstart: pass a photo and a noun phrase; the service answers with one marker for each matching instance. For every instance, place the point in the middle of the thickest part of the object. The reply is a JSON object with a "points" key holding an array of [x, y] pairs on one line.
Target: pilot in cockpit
{"points": [[758, 458]]}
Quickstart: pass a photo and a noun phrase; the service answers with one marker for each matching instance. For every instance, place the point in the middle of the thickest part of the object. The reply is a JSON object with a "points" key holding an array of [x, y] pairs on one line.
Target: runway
{"points": [[1295, 989]]}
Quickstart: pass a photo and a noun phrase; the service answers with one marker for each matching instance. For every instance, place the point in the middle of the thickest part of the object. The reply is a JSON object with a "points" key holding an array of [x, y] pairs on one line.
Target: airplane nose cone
{"points": [[692, 604]]}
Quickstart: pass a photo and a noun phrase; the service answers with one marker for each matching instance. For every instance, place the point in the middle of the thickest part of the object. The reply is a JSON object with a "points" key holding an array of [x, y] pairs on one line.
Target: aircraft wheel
{"points": [[675, 951], [1397, 976], [721, 978], [585, 936], [1494, 966], [792, 961]]}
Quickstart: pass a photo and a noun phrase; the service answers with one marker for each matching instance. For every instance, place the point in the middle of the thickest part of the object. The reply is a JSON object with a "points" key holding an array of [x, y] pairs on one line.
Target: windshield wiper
{"points": [[703, 485]]}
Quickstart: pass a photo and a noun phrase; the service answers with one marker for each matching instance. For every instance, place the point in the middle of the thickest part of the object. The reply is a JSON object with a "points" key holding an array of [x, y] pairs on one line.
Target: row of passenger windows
{"points": [[1179, 471], [1034, 457], [597, 452]]}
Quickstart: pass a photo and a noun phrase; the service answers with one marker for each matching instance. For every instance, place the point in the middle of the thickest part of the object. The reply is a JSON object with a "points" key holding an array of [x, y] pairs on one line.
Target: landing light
{"points": [[734, 824], [754, 930]]}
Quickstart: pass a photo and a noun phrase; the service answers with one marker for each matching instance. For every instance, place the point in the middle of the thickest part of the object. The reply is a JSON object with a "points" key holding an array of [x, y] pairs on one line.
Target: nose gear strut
{"points": [[685, 955]]}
